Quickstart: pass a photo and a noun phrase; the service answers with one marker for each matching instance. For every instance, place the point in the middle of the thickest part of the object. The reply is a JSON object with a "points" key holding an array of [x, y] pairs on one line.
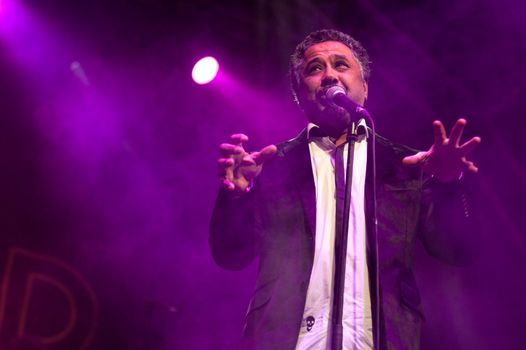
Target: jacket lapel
{"points": [[298, 160]]}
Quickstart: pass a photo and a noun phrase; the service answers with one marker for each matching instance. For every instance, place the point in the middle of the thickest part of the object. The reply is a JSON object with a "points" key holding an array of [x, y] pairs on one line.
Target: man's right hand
{"points": [[236, 167]]}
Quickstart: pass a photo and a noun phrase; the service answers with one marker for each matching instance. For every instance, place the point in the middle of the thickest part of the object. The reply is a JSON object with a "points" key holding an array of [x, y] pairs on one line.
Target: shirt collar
{"points": [[315, 133]]}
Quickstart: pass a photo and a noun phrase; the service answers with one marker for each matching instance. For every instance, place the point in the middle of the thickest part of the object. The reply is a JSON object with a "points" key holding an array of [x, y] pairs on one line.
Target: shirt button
{"points": [[310, 322]]}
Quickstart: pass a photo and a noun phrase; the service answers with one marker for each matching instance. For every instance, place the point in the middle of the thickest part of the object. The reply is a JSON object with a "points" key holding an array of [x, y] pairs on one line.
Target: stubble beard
{"points": [[332, 119]]}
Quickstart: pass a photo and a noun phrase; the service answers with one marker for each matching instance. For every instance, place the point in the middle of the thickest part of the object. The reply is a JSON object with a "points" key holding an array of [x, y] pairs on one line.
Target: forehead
{"points": [[328, 49]]}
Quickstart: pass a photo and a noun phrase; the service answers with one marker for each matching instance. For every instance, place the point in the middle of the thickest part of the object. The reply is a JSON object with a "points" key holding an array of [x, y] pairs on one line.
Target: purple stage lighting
{"points": [[205, 70]]}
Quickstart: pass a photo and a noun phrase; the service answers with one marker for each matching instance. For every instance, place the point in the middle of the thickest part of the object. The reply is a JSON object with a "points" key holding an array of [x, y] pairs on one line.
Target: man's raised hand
{"points": [[236, 167], [446, 159]]}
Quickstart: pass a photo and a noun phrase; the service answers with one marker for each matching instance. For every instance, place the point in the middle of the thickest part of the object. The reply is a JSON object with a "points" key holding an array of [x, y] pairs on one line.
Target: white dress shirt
{"points": [[357, 323]]}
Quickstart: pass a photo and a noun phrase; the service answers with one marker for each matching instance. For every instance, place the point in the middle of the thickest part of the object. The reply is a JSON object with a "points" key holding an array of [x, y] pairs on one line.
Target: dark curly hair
{"points": [[297, 58]]}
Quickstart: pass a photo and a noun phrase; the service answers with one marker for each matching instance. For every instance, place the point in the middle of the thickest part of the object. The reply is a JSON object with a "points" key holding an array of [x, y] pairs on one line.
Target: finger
{"points": [[471, 166], [410, 160], [415, 159], [439, 132], [248, 160], [229, 175], [228, 149], [468, 146], [238, 139], [265, 154], [456, 131], [223, 164], [227, 184]]}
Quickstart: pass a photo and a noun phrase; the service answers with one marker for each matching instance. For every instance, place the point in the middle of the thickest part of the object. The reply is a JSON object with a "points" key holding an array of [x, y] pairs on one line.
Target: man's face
{"points": [[327, 64]]}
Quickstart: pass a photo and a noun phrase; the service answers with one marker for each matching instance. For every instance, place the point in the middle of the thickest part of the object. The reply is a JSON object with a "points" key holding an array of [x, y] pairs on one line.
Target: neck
{"points": [[336, 134]]}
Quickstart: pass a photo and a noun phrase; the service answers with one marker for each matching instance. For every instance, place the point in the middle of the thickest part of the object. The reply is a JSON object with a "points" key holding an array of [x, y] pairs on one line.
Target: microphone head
{"points": [[334, 91], [337, 96]]}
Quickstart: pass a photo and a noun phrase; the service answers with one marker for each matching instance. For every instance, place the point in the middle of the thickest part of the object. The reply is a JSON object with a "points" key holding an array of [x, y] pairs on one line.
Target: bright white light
{"points": [[205, 70]]}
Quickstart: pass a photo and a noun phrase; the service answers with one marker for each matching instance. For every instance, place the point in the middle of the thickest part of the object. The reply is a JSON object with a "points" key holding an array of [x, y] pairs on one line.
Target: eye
{"points": [[314, 68], [342, 64]]}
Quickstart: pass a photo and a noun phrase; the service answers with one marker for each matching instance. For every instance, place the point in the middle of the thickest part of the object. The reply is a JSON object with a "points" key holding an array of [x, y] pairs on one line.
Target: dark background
{"points": [[107, 157]]}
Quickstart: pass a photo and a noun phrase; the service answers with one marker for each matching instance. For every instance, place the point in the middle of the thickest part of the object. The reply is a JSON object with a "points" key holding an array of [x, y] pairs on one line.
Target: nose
{"points": [[329, 78]]}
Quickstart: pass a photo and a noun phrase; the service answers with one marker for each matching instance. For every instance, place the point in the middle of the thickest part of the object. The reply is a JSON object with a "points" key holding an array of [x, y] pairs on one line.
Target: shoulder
{"points": [[286, 147], [389, 156], [392, 148], [290, 152], [291, 159]]}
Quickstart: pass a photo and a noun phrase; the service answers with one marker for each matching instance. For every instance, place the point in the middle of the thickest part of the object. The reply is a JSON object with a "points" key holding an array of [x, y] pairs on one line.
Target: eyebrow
{"points": [[341, 57], [336, 56]]}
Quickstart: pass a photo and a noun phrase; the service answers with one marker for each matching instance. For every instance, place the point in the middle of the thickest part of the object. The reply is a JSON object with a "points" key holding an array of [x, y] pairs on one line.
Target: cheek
{"points": [[309, 86], [355, 80]]}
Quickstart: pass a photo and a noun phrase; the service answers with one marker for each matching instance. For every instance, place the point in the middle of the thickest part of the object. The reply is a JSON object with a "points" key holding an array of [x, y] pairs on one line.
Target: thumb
{"points": [[415, 159], [265, 154]]}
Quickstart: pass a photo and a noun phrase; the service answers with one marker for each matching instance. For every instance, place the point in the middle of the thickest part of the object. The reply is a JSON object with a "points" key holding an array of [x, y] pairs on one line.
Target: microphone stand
{"points": [[340, 246], [340, 249]]}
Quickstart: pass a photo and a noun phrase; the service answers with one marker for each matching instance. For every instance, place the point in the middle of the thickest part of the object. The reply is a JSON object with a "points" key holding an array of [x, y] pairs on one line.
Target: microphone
{"points": [[338, 96]]}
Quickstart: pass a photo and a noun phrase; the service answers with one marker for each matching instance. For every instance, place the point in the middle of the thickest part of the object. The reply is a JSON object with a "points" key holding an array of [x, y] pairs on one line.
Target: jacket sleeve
{"points": [[446, 221], [233, 230]]}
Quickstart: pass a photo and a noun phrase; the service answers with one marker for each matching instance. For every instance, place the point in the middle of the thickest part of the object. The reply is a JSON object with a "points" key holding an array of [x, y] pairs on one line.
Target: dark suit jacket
{"points": [[275, 221]]}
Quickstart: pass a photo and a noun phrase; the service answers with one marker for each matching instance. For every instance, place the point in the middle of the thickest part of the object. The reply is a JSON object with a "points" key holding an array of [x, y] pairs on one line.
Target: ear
{"points": [[365, 90], [300, 96]]}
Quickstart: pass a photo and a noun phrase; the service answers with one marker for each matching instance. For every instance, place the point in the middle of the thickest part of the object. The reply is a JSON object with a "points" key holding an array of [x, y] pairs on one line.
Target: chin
{"points": [[332, 119]]}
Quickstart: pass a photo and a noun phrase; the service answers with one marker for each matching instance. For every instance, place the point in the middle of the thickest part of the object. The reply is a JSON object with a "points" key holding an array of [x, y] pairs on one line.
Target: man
{"points": [[285, 213]]}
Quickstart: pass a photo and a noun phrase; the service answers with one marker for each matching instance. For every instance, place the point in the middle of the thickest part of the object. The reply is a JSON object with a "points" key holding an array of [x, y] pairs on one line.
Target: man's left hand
{"points": [[446, 159]]}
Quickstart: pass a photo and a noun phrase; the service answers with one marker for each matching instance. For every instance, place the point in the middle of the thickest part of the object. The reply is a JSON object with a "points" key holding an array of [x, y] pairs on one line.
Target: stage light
{"points": [[205, 70]]}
